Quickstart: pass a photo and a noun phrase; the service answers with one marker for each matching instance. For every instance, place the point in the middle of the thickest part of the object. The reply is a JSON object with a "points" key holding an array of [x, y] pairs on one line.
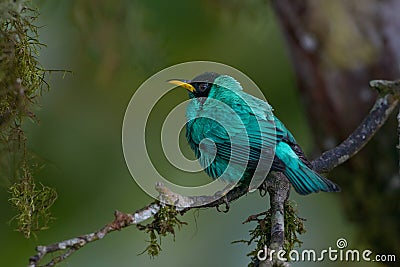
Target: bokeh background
{"points": [[111, 47]]}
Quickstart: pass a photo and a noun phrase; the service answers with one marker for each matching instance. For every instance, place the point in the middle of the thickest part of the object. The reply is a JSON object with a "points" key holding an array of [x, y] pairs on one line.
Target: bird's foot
{"points": [[227, 206], [262, 189]]}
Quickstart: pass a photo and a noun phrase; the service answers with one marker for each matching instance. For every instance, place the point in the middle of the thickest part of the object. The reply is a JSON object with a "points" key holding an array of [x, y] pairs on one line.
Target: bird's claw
{"points": [[263, 189], [227, 206]]}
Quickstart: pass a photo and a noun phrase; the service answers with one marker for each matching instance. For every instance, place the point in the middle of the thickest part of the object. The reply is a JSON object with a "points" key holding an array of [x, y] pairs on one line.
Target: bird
{"points": [[232, 132]]}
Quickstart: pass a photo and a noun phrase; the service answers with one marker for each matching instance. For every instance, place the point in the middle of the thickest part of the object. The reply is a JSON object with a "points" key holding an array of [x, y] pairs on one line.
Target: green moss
{"points": [[261, 235], [21, 83], [32, 203], [164, 223], [21, 75], [294, 225]]}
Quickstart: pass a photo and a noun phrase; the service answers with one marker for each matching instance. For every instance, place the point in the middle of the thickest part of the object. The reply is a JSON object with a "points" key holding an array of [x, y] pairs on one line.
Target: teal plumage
{"points": [[231, 132]]}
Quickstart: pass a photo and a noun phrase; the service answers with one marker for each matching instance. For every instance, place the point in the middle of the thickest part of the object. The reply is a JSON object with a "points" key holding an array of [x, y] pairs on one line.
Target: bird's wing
{"points": [[241, 143]]}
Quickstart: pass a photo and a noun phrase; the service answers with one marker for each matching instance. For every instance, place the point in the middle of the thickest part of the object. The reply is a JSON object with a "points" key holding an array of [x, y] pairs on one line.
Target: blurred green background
{"points": [[112, 47]]}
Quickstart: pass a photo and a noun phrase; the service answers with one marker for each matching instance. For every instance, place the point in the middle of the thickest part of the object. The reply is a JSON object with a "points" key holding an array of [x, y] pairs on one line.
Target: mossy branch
{"points": [[21, 83], [261, 235], [279, 234]]}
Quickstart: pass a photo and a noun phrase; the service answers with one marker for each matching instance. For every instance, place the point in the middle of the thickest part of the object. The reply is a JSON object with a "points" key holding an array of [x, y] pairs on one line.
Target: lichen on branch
{"points": [[21, 83], [261, 234], [164, 223]]}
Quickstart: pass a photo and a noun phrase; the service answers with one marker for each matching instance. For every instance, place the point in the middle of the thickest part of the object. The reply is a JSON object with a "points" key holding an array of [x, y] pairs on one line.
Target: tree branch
{"points": [[398, 136], [383, 107], [121, 220], [277, 185], [279, 189]]}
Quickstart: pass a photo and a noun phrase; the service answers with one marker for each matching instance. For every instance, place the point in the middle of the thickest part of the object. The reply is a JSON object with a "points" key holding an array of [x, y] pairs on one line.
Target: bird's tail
{"points": [[306, 181]]}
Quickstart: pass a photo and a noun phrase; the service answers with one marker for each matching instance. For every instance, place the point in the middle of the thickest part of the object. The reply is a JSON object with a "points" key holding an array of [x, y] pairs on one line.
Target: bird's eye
{"points": [[203, 87]]}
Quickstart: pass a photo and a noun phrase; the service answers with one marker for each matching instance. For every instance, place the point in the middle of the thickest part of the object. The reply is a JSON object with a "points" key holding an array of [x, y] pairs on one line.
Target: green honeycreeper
{"points": [[218, 138]]}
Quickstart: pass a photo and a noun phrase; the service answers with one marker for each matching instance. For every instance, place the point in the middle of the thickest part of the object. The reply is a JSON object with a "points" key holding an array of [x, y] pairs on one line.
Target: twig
{"points": [[277, 185], [121, 220]]}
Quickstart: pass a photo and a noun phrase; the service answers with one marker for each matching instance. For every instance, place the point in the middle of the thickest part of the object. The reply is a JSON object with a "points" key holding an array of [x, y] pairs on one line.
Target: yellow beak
{"points": [[183, 83]]}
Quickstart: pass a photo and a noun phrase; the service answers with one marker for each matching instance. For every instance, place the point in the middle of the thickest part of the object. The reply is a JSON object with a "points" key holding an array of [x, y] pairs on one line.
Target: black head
{"points": [[199, 86], [203, 83]]}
